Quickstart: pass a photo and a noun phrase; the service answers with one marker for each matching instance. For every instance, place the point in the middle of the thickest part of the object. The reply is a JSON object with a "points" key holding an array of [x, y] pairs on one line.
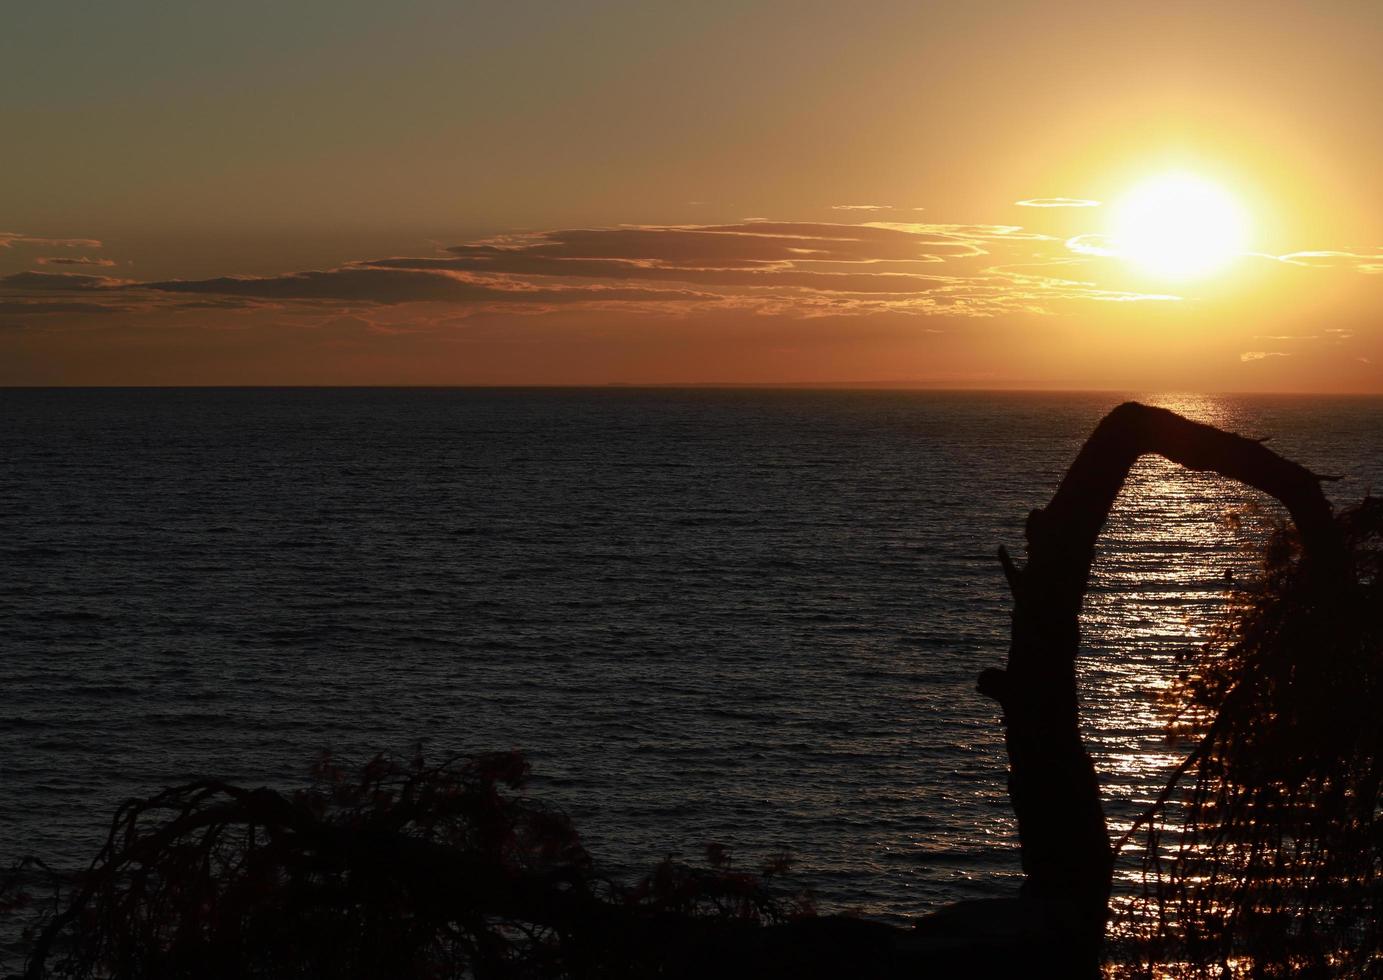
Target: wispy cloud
{"points": [[9, 239], [783, 268], [73, 260], [1057, 202], [862, 207], [1093, 244], [812, 267], [1369, 263], [60, 282], [50, 307], [1261, 355], [225, 303], [390, 286]]}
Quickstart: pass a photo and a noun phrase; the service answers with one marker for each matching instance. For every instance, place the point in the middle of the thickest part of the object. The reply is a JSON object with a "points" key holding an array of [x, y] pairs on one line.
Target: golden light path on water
{"points": [[1158, 590]]}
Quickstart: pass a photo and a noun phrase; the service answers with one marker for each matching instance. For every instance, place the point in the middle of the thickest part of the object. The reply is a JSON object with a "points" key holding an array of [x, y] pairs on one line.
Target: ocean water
{"points": [[746, 617]]}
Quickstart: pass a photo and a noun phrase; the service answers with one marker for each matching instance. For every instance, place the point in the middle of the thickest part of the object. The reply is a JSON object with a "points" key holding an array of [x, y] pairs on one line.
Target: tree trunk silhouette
{"points": [[1064, 843]]}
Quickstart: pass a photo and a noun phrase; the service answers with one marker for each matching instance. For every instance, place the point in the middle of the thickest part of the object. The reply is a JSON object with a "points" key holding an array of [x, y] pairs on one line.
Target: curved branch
{"points": [[1082, 502], [1063, 838]]}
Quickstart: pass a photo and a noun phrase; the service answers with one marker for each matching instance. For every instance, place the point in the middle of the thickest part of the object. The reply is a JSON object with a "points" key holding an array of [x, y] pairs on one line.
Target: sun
{"points": [[1179, 226]]}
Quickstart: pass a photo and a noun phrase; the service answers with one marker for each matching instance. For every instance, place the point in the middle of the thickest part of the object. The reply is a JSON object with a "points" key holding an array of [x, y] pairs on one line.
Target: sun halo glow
{"points": [[1179, 226]]}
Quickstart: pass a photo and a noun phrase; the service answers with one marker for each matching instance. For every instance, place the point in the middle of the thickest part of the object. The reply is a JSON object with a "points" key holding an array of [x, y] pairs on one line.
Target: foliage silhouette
{"points": [[1274, 858], [401, 870]]}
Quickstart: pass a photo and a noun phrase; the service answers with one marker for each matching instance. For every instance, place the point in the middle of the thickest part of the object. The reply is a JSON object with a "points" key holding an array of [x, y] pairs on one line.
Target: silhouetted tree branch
{"points": [[1064, 841]]}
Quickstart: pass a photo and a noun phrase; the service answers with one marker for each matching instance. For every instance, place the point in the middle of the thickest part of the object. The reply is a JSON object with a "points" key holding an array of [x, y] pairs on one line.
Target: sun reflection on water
{"points": [[1175, 543]]}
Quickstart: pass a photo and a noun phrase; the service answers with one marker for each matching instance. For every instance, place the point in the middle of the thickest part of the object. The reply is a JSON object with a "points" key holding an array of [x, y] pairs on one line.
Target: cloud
{"points": [[371, 284], [1367, 263], [225, 303], [40, 306], [72, 260], [848, 282], [761, 255], [9, 239], [805, 269], [1042, 284], [744, 244], [1101, 246], [1057, 202], [48, 293], [862, 207], [60, 282], [1261, 355]]}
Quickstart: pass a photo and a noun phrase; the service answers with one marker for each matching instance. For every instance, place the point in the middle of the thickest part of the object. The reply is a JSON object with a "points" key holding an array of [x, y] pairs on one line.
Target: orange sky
{"points": [[601, 192]]}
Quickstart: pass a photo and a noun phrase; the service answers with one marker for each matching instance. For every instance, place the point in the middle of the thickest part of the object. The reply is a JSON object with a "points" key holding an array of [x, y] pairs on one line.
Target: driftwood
{"points": [[1064, 842]]}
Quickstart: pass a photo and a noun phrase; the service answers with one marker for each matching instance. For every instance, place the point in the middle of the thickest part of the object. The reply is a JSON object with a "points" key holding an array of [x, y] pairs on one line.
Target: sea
{"points": [[744, 617]]}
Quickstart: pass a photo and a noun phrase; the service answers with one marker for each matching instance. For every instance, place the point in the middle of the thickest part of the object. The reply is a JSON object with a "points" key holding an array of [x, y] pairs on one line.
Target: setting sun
{"points": [[1179, 226]]}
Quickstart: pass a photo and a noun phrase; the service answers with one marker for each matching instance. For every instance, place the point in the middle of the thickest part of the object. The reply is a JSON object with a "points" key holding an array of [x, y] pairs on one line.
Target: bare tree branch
{"points": [[1064, 841]]}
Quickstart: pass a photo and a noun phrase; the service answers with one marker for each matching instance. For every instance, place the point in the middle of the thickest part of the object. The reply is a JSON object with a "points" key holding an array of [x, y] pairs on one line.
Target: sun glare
{"points": [[1179, 226]]}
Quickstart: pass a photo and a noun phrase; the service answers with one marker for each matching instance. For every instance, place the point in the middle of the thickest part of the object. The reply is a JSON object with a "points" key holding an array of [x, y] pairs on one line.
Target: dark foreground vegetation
{"points": [[1262, 855], [1276, 856]]}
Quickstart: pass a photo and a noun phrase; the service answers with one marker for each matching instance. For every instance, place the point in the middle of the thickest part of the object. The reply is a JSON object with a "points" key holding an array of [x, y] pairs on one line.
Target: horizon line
{"points": [[698, 385]]}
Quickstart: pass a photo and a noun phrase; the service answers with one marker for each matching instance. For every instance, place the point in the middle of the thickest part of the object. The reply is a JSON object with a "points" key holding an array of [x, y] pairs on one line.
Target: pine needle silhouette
{"points": [[1271, 864]]}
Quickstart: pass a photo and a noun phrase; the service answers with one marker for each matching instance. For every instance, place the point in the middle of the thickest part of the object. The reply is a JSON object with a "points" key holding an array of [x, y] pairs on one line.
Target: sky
{"points": [[1130, 196]]}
